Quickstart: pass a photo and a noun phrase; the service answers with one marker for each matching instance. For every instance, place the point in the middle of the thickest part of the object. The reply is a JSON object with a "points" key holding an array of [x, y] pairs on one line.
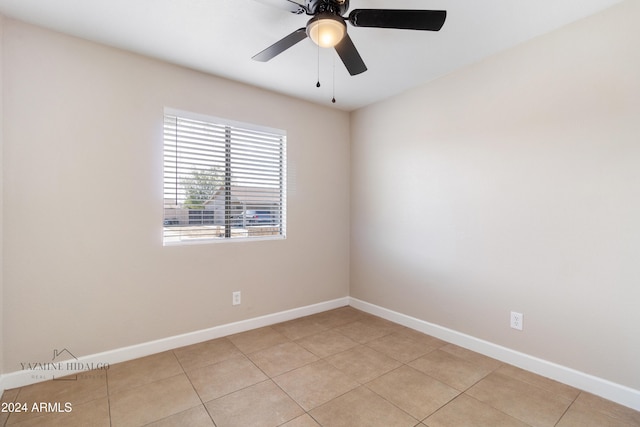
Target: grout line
{"points": [[568, 407], [443, 406], [270, 378], [106, 375], [495, 409], [383, 397], [194, 390]]}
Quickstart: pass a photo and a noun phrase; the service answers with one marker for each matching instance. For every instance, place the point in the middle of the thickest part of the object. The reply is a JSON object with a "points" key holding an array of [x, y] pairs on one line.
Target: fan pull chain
{"points": [[334, 80], [318, 83]]}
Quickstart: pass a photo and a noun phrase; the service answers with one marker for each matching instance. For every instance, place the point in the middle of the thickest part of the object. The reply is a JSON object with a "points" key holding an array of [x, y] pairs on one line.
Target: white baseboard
{"points": [[609, 390], [26, 377]]}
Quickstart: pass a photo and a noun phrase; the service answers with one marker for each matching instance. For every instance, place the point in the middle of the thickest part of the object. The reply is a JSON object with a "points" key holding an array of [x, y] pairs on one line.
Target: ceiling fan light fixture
{"points": [[326, 30]]}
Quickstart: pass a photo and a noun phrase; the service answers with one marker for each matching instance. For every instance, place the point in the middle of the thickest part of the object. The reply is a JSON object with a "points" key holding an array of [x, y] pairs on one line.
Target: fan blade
{"points": [[429, 20], [288, 5], [280, 46], [350, 56]]}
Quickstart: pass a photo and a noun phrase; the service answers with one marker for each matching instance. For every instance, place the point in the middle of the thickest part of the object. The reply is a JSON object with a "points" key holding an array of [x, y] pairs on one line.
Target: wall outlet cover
{"points": [[516, 320]]}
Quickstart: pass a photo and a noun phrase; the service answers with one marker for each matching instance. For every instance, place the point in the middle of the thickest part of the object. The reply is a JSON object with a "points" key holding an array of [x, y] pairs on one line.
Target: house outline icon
{"points": [[58, 354], [61, 355]]}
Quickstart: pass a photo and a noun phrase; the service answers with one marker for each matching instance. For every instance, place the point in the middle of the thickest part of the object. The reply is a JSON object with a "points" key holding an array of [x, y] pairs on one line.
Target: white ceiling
{"points": [[221, 36]]}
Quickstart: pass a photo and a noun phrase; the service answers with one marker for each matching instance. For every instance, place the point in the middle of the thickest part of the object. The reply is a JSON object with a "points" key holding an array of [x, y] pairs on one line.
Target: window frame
{"points": [[276, 166]]}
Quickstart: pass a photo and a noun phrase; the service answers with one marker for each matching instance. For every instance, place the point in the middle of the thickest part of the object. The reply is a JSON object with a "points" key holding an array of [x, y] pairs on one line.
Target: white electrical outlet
{"points": [[516, 320], [236, 298]]}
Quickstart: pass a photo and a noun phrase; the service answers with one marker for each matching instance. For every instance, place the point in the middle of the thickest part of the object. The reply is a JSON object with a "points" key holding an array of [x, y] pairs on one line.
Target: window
{"points": [[222, 180]]}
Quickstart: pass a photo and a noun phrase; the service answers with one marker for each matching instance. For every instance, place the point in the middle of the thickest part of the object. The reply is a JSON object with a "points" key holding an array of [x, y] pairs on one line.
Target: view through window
{"points": [[222, 179]]}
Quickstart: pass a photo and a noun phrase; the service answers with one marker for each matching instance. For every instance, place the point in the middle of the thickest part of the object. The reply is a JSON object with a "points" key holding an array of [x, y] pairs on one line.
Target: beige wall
{"points": [[83, 134], [513, 184], [1, 203]]}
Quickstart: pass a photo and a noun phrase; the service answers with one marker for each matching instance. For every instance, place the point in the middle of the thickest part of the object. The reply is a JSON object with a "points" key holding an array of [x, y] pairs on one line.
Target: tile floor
{"points": [[338, 368]]}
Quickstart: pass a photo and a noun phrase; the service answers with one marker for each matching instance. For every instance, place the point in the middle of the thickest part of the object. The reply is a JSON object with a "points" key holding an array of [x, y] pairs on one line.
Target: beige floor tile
{"points": [[363, 363], [152, 402], [257, 339], [225, 377], [361, 332], [84, 387], [263, 404], [466, 411], [361, 408], [327, 343], [608, 408], [582, 416], [10, 395], [137, 372], [315, 384], [412, 391], [370, 327], [421, 338], [451, 370], [550, 385], [205, 353], [299, 328], [337, 317], [7, 397], [194, 417], [282, 358], [401, 347], [92, 413], [521, 400], [472, 357], [380, 323], [302, 421]]}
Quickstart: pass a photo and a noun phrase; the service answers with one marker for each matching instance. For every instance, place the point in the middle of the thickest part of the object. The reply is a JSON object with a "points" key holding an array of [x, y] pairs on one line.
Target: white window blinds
{"points": [[222, 180]]}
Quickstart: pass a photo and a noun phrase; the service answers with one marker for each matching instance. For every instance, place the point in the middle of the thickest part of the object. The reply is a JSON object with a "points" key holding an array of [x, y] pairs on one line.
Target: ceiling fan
{"points": [[327, 27]]}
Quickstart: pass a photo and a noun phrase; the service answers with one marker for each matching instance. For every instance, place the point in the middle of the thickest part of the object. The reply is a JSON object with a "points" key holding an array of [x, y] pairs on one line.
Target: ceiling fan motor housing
{"points": [[337, 7]]}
